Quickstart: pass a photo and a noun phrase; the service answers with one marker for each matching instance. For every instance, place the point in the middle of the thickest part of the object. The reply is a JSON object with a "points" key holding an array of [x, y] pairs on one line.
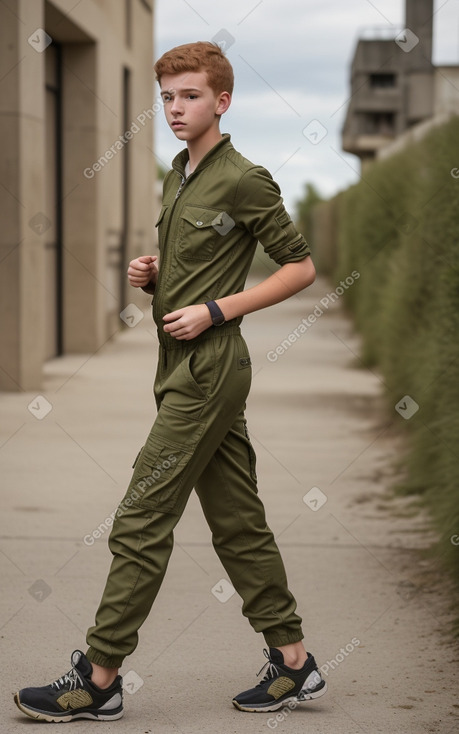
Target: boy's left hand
{"points": [[188, 322]]}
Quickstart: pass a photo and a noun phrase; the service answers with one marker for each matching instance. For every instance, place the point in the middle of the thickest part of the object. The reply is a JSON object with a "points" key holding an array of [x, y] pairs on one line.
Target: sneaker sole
{"points": [[65, 717], [276, 705]]}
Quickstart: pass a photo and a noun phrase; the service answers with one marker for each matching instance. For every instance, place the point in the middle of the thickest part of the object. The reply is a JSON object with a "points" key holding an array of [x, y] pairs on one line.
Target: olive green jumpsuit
{"points": [[209, 226]]}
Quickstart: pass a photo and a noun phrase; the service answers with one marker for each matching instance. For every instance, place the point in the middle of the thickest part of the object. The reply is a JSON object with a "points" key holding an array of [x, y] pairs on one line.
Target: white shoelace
{"points": [[73, 677], [271, 671]]}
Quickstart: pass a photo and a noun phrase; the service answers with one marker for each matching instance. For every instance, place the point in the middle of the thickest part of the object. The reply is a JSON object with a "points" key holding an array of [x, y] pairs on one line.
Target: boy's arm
{"points": [[285, 282], [186, 323]]}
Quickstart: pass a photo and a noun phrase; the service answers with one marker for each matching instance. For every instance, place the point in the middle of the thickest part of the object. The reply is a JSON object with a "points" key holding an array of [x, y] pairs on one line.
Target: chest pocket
{"points": [[198, 236]]}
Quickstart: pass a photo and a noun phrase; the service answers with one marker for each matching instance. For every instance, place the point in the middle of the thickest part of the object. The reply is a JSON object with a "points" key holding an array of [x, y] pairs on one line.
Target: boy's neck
{"points": [[197, 149]]}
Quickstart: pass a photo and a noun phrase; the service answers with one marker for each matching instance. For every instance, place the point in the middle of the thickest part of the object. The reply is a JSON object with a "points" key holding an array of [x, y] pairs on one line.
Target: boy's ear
{"points": [[223, 102]]}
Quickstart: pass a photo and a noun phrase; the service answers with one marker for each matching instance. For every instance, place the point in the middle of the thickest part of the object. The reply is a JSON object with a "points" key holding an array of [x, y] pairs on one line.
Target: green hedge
{"points": [[399, 227]]}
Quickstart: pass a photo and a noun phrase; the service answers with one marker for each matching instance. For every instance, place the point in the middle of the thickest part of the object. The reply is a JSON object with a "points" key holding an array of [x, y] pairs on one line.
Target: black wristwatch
{"points": [[216, 313]]}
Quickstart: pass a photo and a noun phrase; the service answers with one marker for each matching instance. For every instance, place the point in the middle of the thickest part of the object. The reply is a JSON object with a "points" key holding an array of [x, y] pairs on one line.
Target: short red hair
{"points": [[200, 56]]}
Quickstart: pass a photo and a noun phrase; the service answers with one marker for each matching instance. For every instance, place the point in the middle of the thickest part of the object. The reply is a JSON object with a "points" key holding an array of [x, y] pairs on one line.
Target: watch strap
{"points": [[216, 313]]}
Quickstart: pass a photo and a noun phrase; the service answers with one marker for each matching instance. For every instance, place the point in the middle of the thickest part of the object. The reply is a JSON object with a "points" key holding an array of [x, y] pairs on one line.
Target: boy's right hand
{"points": [[142, 271]]}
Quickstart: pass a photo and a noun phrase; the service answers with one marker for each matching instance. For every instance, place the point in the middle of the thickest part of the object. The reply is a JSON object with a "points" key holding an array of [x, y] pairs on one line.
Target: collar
{"points": [[220, 149]]}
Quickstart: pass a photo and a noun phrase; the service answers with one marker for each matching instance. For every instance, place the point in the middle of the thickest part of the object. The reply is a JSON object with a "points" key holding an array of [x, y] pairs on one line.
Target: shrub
{"points": [[399, 227]]}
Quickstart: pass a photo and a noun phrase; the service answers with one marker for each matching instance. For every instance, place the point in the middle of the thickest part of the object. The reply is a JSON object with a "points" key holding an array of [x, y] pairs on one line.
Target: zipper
{"points": [[179, 190]]}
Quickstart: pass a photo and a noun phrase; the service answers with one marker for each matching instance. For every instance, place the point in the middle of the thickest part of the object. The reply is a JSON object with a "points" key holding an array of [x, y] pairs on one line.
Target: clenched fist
{"points": [[143, 271]]}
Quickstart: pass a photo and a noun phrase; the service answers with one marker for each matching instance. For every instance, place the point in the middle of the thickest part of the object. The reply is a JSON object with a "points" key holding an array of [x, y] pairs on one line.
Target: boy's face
{"points": [[191, 106]]}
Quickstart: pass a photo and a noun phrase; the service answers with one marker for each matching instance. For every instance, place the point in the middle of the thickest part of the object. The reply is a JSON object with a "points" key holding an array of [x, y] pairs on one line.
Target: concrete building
{"points": [[77, 174], [394, 86]]}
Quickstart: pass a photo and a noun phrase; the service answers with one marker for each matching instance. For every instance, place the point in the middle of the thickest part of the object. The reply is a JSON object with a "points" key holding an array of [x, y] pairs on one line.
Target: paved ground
{"points": [[372, 611]]}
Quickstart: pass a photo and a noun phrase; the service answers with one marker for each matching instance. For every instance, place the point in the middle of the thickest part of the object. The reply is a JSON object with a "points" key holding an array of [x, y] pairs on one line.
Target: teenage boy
{"points": [[216, 206]]}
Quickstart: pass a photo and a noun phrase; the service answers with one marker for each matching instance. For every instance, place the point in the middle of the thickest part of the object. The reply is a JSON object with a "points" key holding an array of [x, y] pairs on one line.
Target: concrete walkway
{"points": [[374, 614]]}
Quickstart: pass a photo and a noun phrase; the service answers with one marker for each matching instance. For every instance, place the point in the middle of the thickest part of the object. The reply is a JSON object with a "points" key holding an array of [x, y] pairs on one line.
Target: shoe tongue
{"points": [[82, 664], [276, 655]]}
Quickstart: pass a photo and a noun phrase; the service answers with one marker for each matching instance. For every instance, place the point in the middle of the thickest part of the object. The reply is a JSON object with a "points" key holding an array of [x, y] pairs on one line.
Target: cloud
{"points": [[291, 60]]}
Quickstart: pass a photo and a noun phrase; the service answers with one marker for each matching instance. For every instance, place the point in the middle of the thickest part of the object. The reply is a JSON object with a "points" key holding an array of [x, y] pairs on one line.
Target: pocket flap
{"points": [[200, 217]]}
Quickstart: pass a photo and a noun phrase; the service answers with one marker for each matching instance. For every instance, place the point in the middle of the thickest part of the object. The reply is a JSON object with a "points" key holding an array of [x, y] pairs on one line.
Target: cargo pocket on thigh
{"points": [[163, 462]]}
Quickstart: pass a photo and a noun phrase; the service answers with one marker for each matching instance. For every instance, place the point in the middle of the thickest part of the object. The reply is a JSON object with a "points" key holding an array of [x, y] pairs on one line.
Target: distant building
{"points": [[394, 85], [77, 174]]}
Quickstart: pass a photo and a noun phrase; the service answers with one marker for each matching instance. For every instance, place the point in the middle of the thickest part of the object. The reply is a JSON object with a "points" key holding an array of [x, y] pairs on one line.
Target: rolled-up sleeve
{"points": [[259, 208]]}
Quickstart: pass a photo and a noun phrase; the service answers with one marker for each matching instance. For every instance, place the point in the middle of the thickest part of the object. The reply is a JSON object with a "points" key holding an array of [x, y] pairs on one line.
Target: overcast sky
{"points": [[291, 61]]}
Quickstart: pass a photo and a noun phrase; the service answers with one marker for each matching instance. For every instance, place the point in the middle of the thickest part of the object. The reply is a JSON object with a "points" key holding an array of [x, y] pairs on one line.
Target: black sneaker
{"points": [[282, 685], [73, 696]]}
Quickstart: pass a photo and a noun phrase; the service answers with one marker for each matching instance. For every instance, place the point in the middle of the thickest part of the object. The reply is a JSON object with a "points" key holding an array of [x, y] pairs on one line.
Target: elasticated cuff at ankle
{"points": [[278, 639], [94, 656]]}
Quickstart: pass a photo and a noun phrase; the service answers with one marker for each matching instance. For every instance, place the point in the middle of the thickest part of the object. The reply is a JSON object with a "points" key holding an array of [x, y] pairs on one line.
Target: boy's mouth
{"points": [[178, 123]]}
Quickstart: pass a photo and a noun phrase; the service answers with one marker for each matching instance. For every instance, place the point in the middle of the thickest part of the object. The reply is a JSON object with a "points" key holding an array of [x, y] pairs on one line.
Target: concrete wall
{"points": [[407, 55], [446, 105], [446, 90], [106, 210]]}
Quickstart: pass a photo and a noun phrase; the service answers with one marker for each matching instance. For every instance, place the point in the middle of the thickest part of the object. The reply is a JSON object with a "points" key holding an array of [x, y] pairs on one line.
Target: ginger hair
{"points": [[200, 56]]}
